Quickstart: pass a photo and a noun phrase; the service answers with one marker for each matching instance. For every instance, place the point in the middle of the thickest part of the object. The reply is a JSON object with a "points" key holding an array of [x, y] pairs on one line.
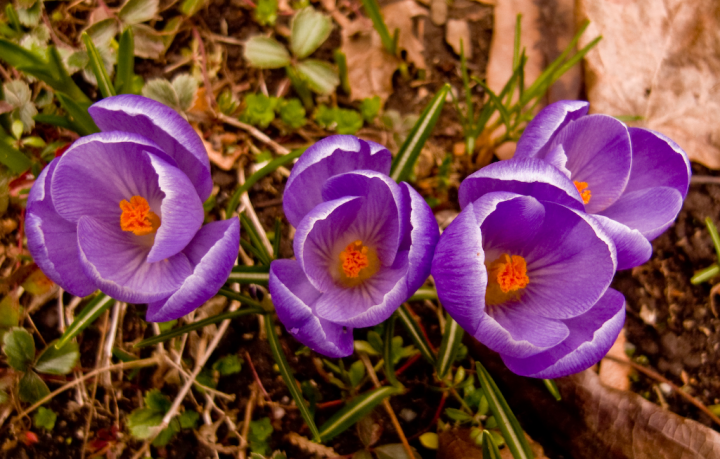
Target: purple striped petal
{"points": [[528, 176], [116, 261], [421, 239], [540, 131], [633, 249], [162, 124], [212, 253], [293, 296], [52, 240], [650, 211], [657, 161], [331, 156], [591, 336]]}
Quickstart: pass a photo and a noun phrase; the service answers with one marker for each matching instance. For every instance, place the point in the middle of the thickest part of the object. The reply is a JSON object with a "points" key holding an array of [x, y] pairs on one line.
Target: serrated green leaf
{"points": [[30, 17], [259, 110], [188, 419], [228, 365], [358, 408], [266, 53], [87, 316], [44, 418], [308, 30], [157, 401], [17, 94], [19, 347], [292, 113], [56, 361], [32, 388], [161, 90], [186, 88], [137, 11], [102, 32], [143, 422], [321, 76]]}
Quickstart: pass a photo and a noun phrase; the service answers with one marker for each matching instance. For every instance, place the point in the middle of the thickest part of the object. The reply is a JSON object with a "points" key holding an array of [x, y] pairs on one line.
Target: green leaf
{"points": [[44, 418], [190, 7], [342, 120], [103, 32], [308, 30], [404, 161], [286, 373], [458, 415], [13, 159], [188, 419], [259, 110], [30, 17], [391, 353], [260, 432], [394, 451], [266, 12], [228, 102], [260, 249], [356, 373], [32, 388], [452, 339], [60, 361], [149, 43], [125, 63], [92, 311], [552, 388], [186, 88], [369, 108], [156, 400], [137, 11], [321, 76], [259, 275], [358, 408], [430, 440], [292, 113], [489, 448], [508, 423], [17, 94], [161, 90], [167, 433], [372, 9], [143, 422], [19, 347], [10, 311], [228, 365], [98, 68], [82, 121], [416, 334]]}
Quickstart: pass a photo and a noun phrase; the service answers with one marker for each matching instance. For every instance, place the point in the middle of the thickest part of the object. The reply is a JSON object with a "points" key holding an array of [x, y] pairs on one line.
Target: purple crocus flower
{"points": [[632, 180], [121, 211], [527, 271], [363, 244]]}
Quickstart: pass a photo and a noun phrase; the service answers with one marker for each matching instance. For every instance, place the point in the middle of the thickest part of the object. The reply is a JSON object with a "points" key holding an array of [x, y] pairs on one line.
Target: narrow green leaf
{"points": [[12, 15], [13, 159], [508, 423], [552, 388], [416, 335], [404, 161], [98, 68], [266, 53], [175, 332], [498, 103], [249, 277], [239, 297], [424, 293], [32, 387], [452, 339], [388, 351], [341, 61], [309, 29], [250, 230], [287, 375], [270, 167], [54, 120], [19, 347], [705, 274], [489, 448], [125, 63], [358, 408], [88, 315], [58, 361], [83, 122], [372, 9]]}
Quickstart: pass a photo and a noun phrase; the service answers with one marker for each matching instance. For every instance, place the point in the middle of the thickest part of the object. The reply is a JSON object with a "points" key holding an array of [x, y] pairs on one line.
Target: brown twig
{"points": [[253, 131], [256, 376]]}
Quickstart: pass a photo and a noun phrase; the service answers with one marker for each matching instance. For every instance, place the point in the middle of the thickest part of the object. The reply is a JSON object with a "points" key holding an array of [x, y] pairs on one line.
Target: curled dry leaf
{"points": [[370, 67], [593, 421], [457, 30], [658, 60]]}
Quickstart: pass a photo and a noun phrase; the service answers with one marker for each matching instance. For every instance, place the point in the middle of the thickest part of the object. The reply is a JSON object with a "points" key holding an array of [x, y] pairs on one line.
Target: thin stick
{"points": [[250, 212], [259, 135], [386, 404], [91, 405], [680, 392], [210, 390], [246, 422], [105, 379], [257, 377]]}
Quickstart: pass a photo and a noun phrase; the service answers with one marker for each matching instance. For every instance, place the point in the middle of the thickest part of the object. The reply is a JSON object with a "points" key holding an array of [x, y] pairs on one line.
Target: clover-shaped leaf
{"points": [[228, 365], [56, 361], [19, 347], [266, 53], [44, 418], [309, 30], [32, 388], [321, 76]]}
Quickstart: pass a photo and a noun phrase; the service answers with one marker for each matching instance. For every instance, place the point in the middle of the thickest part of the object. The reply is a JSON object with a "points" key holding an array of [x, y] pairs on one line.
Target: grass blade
{"points": [[239, 297], [358, 408], [286, 373], [260, 249], [55, 120], [126, 62], [508, 423], [14, 159], [452, 339], [175, 332], [82, 121], [270, 167], [552, 388], [424, 293], [103, 80], [404, 161], [489, 448], [259, 277], [372, 9], [416, 334], [497, 102], [88, 315]]}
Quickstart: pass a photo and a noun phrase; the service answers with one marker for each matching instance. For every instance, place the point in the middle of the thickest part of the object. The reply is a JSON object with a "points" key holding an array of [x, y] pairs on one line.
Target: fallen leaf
{"points": [[438, 11], [614, 374], [457, 30], [658, 59], [457, 444]]}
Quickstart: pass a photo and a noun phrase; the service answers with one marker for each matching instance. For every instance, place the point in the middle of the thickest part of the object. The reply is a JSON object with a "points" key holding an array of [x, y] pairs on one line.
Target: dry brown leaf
{"points": [[614, 374], [457, 444], [457, 30], [659, 60], [370, 67]]}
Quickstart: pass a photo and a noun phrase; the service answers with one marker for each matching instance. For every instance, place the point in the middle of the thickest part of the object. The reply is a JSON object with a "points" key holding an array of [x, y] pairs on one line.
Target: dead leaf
{"points": [[658, 59], [370, 67], [438, 11], [457, 444], [307, 445], [593, 421], [457, 30], [614, 374]]}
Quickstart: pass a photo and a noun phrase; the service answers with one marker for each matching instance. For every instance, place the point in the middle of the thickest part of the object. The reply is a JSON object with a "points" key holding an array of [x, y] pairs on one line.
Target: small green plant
{"points": [[144, 422], [266, 12], [180, 94], [44, 418], [260, 432], [260, 110], [341, 120]]}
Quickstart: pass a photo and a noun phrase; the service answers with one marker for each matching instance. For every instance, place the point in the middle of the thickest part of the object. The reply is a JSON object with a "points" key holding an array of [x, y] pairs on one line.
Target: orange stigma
{"points": [[137, 216], [585, 193], [354, 259], [506, 277]]}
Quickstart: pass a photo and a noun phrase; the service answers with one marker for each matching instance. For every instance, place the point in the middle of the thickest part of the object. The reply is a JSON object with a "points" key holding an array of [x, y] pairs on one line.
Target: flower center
{"points": [[585, 193], [507, 275], [357, 263], [137, 217]]}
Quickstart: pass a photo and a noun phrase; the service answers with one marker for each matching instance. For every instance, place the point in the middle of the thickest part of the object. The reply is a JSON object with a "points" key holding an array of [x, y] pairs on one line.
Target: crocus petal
{"points": [[100, 170], [212, 253], [650, 211], [378, 221], [52, 240], [293, 296], [512, 226], [599, 154], [162, 124], [331, 156], [512, 331], [557, 157], [540, 131], [116, 263], [591, 336], [528, 176], [317, 236], [423, 237], [633, 249], [181, 211], [657, 161]]}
